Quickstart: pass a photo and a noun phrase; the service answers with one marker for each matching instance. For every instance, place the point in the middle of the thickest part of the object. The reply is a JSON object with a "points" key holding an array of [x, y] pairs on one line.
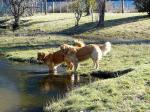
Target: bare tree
{"points": [[78, 7], [78, 15], [18, 9], [101, 11]]}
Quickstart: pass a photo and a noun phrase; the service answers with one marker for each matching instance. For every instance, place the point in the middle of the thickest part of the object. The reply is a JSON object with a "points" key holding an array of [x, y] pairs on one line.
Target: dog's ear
{"points": [[62, 47], [79, 43], [40, 55]]}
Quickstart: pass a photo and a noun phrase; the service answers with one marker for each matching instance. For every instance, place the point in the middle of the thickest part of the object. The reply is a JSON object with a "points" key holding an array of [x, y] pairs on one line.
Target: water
{"points": [[26, 88]]}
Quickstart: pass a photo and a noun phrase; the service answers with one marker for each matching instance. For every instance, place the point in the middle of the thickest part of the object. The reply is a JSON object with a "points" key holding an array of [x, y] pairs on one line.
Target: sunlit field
{"points": [[130, 37]]}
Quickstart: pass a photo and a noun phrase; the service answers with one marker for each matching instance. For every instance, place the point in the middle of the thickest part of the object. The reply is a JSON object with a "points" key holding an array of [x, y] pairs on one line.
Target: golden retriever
{"points": [[55, 58], [76, 55], [105, 48], [93, 51]]}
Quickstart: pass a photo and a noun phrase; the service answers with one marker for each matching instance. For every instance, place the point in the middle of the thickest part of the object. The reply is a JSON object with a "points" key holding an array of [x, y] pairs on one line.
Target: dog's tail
{"points": [[79, 43], [107, 48]]}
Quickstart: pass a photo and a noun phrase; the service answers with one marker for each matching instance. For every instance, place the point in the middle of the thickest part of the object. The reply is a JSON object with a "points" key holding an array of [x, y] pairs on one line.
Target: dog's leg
{"points": [[97, 64], [75, 66], [96, 56], [70, 66], [51, 70], [68, 62], [51, 67], [94, 63], [75, 63]]}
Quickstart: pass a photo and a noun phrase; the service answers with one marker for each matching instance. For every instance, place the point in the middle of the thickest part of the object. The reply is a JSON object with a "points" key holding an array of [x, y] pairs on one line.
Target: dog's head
{"points": [[79, 43], [40, 56], [47, 59], [67, 49]]}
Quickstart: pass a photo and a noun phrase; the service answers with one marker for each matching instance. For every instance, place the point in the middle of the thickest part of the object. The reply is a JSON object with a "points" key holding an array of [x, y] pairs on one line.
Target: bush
{"points": [[143, 6]]}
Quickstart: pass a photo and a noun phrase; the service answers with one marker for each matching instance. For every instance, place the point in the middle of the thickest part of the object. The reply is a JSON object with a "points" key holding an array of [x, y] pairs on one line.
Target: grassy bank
{"points": [[117, 26], [129, 93], [24, 49]]}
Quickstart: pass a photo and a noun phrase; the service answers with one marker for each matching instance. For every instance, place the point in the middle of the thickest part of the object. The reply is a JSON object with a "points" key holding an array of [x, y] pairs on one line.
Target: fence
{"points": [[116, 6]]}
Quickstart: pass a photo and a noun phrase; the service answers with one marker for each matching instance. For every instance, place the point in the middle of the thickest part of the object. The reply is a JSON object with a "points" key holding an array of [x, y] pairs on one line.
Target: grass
{"points": [[25, 48], [127, 93], [130, 92], [117, 26]]}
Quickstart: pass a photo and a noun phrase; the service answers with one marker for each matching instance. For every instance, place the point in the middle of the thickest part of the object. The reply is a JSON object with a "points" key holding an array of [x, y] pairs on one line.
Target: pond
{"points": [[26, 87]]}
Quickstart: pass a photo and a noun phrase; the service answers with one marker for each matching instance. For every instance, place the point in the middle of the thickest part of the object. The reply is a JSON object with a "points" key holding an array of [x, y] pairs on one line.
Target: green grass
{"points": [[117, 26], [130, 92], [24, 48]]}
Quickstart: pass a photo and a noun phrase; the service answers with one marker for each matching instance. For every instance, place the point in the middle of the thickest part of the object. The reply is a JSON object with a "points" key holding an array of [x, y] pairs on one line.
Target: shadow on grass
{"points": [[91, 26], [30, 47], [3, 21], [3, 24], [108, 74], [26, 46], [38, 22]]}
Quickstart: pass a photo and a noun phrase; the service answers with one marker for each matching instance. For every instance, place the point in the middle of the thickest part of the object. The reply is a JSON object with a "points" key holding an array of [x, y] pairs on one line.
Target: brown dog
{"points": [[105, 48], [58, 57], [53, 59], [75, 55]]}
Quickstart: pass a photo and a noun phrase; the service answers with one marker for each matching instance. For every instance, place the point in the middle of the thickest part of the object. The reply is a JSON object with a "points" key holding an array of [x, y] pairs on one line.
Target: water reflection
{"points": [[25, 87], [61, 83]]}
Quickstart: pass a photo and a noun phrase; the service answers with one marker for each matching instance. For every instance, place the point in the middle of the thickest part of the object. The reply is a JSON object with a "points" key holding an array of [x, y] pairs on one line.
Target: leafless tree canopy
{"points": [[18, 8]]}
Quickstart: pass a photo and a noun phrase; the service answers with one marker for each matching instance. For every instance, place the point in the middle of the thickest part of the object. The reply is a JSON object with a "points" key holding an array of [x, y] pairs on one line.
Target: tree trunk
{"points": [[45, 7], [92, 14], [101, 9], [88, 11], [122, 6], [67, 6], [42, 7], [16, 23]]}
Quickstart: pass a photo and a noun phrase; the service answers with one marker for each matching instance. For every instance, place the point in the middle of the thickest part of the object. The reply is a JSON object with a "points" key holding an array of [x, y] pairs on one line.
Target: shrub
{"points": [[143, 6]]}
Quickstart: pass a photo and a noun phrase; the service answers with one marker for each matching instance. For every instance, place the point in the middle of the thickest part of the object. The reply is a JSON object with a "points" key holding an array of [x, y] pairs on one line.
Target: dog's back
{"points": [[84, 52], [79, 44], [58, 57]]}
